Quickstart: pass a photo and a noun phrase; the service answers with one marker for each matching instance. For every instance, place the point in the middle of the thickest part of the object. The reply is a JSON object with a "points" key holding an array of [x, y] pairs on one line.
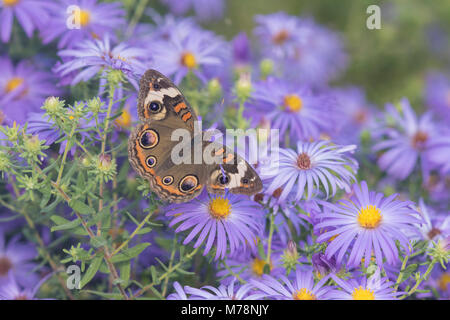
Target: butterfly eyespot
{"points": [[156, 86], [151, 161], [148, 139], [223, 179], [154, 106], [245, 180], [167, 180], [188, 183]]}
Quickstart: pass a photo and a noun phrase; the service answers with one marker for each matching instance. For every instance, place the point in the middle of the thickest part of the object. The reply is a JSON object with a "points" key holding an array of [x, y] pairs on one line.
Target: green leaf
{"points": [[63, 224], [129, 253], [112, 296], [91, 271], [408, 271], [155, 278], [125, 271], [261, 252], [98, 242], [80, 207]]}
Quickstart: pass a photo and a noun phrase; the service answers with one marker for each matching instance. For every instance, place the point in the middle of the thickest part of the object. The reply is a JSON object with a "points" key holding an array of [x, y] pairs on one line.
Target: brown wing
{"points": [[160, 99], [150, 154]]}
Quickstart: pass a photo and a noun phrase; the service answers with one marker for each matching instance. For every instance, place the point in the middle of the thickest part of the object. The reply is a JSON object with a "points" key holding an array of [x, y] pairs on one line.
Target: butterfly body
{"points": [[153, 152]]}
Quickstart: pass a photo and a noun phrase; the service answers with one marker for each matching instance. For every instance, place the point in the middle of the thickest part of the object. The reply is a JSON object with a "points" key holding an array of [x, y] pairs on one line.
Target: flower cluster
{"points": [[355, 198]]}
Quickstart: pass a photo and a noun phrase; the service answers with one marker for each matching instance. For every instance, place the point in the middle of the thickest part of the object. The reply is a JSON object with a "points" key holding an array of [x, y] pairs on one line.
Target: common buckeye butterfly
{"points": [[162, 109]]}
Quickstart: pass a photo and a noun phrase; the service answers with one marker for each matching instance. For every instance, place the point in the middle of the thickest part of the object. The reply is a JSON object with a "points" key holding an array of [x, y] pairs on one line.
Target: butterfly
{"points": [[162, 109]]}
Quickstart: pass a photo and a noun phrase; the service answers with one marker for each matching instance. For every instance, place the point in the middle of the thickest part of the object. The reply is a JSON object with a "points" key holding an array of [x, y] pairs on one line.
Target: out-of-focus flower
{"points": [[15, 258], [356, 114], [361, 288], [277, 33], [223, 292], [405, 138], [437, 94], [314, 165], [95, 21], [204, 9], [228, 222], [197, 51], [31, 14], [11, 290], [434, 227], [291, 108], [92, 56], [23, 89], [369, 221], [318, 57], [303, 49], [303, 288], [241, 51]]}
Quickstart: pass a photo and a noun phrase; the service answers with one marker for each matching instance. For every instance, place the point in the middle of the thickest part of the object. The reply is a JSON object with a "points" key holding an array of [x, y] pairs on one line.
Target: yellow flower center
{"points": [[85, 17], [188, 60], [363, 294], [219, 208], [13, 83], [124, 120], [293, 103], [369, 217], [258, 266], [444, 281], [10, 3], [304, 294]]}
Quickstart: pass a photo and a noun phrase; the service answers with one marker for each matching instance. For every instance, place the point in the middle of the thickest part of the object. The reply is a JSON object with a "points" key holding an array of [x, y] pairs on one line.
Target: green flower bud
{"points": [[215, 88], [115, 77], [266, 67], [95, 105], [104, 167], [53, 106], [5, 162], [33, 148], [243, 88], [290, 256]]}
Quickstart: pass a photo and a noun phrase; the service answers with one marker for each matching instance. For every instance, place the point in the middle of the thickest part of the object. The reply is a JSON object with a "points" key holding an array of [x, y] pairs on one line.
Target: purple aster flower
{"points": [[31, 14], [241, 51], [370, 224], [434, 227], [248, 264], [11, 290], [197, 51], [318, 55], [227, 222], [437, 94], [410, 139], [92, 56], [95, 21], [314, 165], [291, 108], [23, 89], [277, 33], [16, 258], [204, 9], [179, 293], [362, 288], [324, 266], [224, 292], [356, 114], [303, 288]]}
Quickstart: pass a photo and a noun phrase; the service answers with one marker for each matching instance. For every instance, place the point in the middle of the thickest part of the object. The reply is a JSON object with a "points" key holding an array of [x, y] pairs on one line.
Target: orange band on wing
{"points": [[186, 116], [229, 158], [180, 106], [219, 152]]}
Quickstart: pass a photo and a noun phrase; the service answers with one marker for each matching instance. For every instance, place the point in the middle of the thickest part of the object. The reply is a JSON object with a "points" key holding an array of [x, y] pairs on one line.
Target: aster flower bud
{"points": [[95, 105], [53, 106], [215, 88], [5, 162], [243, 88], [114, 77], [33, 148], [290, 256], [441, 251], [103, 167], [266, 67]]}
